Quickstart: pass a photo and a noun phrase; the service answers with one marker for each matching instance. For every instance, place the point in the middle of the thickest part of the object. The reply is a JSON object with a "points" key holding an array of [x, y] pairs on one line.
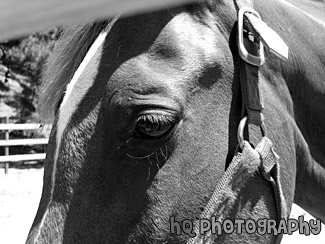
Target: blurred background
{"points": [[22, 138], [21, 63]]}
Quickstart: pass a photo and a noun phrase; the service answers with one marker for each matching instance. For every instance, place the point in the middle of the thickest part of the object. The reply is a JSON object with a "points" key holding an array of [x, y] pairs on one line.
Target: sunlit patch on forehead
{"points": [[182, 41]]}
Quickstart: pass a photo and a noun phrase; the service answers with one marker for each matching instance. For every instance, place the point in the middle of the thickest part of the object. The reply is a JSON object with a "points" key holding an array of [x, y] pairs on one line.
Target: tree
{"points": [[22, 60], [27, 55]]}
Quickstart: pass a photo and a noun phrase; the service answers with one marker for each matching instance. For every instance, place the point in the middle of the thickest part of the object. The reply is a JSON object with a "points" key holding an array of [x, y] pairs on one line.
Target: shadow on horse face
{"points": [[151, 128], [145, 137]]}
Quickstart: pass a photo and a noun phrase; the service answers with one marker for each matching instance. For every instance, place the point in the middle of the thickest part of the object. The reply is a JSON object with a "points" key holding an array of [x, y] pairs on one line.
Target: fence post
{"points": [[7, 148]]}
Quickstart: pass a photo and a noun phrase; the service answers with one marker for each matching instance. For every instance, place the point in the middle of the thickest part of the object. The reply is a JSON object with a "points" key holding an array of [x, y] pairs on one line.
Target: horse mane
{"points": [[67, 55]]}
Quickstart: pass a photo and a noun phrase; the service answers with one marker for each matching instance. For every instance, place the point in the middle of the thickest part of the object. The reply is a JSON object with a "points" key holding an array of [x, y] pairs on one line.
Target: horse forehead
{"points": [[185, 37], [181, 51]]}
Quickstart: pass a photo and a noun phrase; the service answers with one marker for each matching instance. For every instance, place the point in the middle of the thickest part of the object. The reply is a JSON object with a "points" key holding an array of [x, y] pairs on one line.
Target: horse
{"points": [[146, 110]]}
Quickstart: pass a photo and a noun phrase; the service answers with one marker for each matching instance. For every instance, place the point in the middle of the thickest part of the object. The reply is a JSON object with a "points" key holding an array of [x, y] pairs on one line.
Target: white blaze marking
{"points": [[75, 93], [81, 81]]}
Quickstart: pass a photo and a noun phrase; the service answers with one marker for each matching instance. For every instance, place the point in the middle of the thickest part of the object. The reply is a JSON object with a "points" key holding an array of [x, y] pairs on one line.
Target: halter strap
{"points": [[243, 3], [252, 33], [240, 174], [250, 78], [251, 52], [251, 37]]}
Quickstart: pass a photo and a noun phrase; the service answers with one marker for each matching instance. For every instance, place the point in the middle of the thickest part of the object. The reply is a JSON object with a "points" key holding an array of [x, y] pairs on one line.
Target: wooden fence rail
{"points": [[19, 17], [7, 142], [23, 142]]}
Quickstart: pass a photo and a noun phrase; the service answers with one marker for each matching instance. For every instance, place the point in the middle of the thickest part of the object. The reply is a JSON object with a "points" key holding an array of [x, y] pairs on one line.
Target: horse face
{"points": [[142, 133]]}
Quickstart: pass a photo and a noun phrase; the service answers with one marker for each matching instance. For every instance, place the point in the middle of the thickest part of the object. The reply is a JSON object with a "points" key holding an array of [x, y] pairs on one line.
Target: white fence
{"points": [[7, 143]]}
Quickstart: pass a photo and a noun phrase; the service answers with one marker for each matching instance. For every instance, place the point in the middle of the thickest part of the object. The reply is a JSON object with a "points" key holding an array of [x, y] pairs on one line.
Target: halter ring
{"points": [[240, 131]]}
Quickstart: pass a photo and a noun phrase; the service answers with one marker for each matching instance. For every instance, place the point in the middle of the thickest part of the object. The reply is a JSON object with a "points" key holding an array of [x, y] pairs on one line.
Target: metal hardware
{"points": [[244, 54], [240, 131]]}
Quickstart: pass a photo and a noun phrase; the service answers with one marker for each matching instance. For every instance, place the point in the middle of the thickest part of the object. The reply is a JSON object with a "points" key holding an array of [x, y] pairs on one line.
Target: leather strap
{"points": [[243, 3], [245, 165], [253, 107], [250, 74], [250, 80]]}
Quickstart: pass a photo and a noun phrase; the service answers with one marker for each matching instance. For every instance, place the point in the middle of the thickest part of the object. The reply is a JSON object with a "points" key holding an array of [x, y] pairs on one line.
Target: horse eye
{"points": [[153, 126]]}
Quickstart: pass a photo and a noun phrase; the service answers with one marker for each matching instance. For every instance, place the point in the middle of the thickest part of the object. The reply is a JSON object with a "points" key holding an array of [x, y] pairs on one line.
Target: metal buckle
{"points": [[244, 54], [240, 131]]}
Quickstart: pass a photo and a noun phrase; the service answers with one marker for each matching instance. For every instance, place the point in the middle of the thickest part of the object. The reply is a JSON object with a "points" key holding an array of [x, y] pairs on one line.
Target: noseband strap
{"points": [[245, 170]]}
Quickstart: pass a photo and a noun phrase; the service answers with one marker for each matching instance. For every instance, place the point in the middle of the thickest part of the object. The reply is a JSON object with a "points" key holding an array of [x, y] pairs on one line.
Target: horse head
{"points": [[146, 110]]}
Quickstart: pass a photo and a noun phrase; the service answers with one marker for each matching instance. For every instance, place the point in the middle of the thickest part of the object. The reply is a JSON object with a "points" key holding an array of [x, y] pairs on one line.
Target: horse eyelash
{"points": [[156, 118]]}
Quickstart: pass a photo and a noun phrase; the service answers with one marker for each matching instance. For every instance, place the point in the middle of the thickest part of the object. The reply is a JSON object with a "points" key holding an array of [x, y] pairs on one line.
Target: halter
{"points": [[252, 37]]}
